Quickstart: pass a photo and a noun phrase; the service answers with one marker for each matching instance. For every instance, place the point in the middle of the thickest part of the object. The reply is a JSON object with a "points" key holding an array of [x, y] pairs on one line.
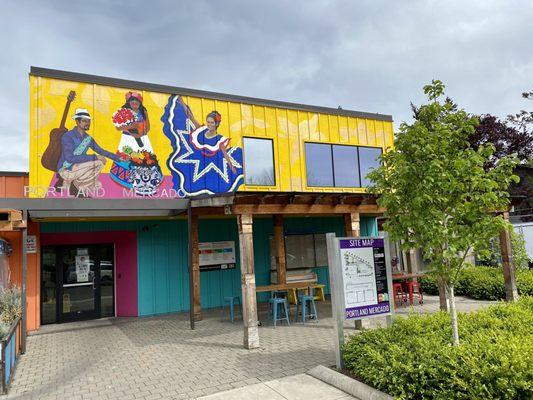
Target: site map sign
{"points": [[364, 275]]}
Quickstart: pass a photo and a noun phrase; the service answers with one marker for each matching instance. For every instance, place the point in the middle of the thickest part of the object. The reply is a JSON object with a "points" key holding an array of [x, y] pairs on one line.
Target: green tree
{"points": [[437, 192]]}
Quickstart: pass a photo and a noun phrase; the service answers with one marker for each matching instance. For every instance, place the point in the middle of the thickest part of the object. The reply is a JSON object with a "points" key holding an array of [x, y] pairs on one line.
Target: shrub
{"points": [[414, 359], [482, 283], [10, 308]]}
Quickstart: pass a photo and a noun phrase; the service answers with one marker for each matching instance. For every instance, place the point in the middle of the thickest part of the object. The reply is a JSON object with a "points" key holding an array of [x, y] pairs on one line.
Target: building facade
{"points": [[145, 199]]}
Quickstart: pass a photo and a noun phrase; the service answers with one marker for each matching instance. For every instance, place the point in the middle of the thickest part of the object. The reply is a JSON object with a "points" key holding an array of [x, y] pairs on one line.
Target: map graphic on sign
{"points": [[359, 276], [364, 277]]}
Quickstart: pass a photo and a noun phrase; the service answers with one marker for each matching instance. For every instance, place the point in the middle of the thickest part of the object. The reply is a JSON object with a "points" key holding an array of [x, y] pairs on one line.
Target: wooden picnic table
{"points": [[293, 286], [286, 286]]}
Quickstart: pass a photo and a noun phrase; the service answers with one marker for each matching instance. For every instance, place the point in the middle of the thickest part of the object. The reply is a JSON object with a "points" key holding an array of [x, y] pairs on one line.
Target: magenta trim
{"points": [[125, 259]]}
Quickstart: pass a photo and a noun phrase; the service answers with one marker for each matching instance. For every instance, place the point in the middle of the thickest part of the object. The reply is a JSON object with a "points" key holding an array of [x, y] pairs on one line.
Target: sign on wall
{"points": [[361, 281], [31, 244], [217, 255], [82, 268]]}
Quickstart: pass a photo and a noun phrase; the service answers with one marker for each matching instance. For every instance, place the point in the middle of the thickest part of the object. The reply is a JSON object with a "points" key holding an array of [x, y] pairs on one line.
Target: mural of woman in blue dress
{"points": [[202, 160]]}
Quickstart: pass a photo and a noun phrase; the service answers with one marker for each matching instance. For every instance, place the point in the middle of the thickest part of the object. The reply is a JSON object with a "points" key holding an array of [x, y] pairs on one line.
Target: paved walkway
{"points": [[161, 358], [296, 387]]}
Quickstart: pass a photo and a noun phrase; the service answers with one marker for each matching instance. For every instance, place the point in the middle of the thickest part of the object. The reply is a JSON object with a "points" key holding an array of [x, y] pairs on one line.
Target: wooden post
{"points": [[511, 292], [249, 300], [195, 268], [352, 224], [279, 243]]}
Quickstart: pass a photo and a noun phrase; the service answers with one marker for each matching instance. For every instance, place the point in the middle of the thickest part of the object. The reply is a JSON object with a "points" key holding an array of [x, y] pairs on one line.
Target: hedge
{"points": [[483, 283], [414, 359]]}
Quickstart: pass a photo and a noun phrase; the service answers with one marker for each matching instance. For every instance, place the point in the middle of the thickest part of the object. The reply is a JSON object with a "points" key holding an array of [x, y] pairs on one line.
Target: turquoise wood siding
{"points": [[162, 256], [162, 252], [214, 285]]}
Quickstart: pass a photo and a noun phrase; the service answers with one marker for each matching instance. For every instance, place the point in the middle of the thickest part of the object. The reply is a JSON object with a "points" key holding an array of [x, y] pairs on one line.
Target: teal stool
{"points": [[231, 301], [275, 303], [310, 312]]}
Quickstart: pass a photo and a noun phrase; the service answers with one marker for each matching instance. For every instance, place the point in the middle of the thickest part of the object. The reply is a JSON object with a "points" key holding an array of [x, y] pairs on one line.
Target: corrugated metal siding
{"points": [[162, 256], [288, 128]]}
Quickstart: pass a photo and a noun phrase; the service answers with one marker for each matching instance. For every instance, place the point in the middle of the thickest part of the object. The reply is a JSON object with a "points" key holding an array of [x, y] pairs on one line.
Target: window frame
{"points": [[272, 147], [331, 144], [358, 165], [315, 254], [359, 160], [332, 166]]}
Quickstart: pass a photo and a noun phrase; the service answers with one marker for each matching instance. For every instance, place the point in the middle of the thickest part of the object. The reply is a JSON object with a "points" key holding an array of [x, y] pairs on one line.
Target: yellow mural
{"points": [[122, 142]]}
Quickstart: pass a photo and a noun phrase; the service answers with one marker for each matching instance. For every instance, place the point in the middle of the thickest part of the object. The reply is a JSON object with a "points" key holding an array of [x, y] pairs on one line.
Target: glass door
{"points": [[79, 284], [106, 264]]}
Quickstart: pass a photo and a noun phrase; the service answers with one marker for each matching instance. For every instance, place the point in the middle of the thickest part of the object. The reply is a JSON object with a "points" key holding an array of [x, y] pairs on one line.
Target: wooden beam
{"points": [[11, 220], [249, 300], [511, 292], [219, 201], [305, 209], [352, 224], [195, 268], [279, 244], [201, 211]]}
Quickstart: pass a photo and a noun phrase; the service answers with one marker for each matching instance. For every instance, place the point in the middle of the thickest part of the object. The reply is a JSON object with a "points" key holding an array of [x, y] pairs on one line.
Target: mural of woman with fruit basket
{"points": [[142, 172]]}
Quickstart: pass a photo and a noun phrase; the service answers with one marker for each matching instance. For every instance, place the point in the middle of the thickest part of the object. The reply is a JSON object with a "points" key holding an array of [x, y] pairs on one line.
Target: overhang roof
{"points": [[42, 209]]}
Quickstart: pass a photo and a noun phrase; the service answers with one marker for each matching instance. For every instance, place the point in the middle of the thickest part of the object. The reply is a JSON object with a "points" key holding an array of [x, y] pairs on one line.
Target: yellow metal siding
{"points": [[288, 128]]}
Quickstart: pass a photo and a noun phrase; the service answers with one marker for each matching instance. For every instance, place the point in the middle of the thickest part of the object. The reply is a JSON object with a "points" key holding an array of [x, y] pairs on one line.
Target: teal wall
{"points": [[162, 256], [163, 277]]}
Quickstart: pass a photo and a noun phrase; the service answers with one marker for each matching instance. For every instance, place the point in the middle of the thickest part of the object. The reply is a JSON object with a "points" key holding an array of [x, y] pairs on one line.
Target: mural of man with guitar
{"points": [[78, 169]]}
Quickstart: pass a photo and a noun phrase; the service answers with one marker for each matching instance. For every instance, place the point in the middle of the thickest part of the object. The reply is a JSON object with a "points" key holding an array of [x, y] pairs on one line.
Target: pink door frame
{"points": [[125, 262]]}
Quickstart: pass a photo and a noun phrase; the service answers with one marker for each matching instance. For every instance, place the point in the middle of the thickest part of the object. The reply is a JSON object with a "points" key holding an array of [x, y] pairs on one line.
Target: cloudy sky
{"points": [[370, 56]]}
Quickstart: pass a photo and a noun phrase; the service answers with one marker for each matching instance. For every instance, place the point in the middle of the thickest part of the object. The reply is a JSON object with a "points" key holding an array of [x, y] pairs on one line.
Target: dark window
{"points": [[335, 165], [346, 166], [318, 164], [259, 162], [302, 251], [368, 160]]}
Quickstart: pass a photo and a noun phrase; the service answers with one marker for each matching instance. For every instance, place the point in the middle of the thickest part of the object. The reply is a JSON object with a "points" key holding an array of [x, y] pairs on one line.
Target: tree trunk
{"points": [[442, 295], [453, 313], [509, 277]]}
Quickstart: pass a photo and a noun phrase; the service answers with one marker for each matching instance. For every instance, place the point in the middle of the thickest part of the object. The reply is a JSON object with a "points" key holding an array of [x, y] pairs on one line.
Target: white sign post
{"points": [[361, 282]]}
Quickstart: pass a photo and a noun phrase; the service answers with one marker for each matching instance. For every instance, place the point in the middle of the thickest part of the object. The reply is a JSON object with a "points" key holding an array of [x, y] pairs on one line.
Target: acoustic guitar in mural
{"points": [[52, 153]]}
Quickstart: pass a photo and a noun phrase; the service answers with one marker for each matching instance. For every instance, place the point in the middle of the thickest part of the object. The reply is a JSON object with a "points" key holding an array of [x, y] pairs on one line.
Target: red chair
{"points": [[414, 287], [400, 297]]}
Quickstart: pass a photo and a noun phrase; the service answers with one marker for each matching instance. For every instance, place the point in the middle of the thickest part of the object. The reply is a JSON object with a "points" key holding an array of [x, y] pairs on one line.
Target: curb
{"points": [[351, 386]]}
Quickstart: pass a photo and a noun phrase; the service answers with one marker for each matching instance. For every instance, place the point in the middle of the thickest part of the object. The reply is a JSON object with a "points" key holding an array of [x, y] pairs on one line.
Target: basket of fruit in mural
{"points": [[139, 171]]}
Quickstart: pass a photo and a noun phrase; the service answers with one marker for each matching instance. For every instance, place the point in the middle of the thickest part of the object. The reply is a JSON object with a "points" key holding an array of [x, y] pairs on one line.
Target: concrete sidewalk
{"points": [[296, 387]]}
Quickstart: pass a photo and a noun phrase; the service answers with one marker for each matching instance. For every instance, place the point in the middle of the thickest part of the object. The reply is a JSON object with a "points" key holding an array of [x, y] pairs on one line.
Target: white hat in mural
{"points": [[81, 113]]}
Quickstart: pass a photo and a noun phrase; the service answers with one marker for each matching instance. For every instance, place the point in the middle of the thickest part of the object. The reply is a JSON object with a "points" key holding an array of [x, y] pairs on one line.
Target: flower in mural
{"points": [[123, 117]]}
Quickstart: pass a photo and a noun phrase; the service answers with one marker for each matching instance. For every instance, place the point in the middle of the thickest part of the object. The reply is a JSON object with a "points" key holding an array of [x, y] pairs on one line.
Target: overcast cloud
{"points": [[370, 56]]}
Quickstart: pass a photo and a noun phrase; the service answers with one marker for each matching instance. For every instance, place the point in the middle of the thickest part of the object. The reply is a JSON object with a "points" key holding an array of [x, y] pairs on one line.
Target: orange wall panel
{"points": [[12, 186]]}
